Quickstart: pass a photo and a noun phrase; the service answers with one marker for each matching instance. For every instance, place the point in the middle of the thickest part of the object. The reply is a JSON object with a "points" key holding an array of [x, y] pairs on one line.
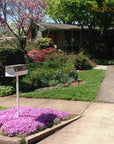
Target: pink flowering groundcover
{"points": [[31, 120]]}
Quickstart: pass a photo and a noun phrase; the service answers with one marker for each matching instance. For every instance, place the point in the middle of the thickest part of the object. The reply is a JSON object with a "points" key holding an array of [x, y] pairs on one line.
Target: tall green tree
{"points": [[82, 12]]}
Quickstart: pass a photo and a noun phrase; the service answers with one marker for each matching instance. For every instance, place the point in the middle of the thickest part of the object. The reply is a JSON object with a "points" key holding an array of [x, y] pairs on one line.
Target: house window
{"points": [[49, 36]]}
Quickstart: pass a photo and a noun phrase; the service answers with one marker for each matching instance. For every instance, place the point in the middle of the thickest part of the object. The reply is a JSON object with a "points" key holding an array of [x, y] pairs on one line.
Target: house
{"points": [[68, 37]]}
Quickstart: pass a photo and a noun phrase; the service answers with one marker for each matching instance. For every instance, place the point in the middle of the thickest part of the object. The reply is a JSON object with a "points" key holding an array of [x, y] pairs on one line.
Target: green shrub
{"points": [[53, 82], [40, 43], [6, 90], [43, 43], [82, 62], [61, 76], [49, 73], [98, 50], [74, 75], [52, 72], [105, 61], [9, 56]]}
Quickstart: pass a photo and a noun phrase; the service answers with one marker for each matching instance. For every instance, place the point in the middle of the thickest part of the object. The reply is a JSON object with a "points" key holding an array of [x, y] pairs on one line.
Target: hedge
{"points": [[9, 56]]}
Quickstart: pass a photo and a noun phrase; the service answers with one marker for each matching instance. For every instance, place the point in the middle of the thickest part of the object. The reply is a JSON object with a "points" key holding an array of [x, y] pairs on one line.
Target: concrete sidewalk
{"points": [[106, 92], [95, 127], [74, 107]]}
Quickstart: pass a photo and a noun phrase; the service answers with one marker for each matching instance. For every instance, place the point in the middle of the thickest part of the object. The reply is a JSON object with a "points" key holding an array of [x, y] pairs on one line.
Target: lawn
{"points": [[85, 92]]}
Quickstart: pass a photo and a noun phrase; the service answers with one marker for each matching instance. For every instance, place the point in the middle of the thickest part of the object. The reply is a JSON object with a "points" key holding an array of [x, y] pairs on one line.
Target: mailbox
{"points": [[16, 70]]}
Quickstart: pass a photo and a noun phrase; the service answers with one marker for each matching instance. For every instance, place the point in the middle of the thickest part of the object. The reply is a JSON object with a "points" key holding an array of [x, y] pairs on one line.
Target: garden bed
{"points": [[65, 86], [30, 120], [28, 127], [85, 92], [37, 136]]}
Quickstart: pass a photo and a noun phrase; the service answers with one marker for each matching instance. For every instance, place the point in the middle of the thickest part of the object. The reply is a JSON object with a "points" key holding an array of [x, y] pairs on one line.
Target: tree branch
{"points": [[12, 31]]}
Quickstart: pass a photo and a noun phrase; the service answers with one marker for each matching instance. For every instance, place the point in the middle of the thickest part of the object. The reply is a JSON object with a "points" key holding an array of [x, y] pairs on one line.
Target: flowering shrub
{"points": [[30, 120], [37, 56], [50, 52], [42, 55]]}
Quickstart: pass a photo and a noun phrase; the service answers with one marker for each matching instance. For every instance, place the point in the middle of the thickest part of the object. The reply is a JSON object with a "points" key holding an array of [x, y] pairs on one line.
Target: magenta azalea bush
{"points": [[37, 56], [41, 55], [30, 120]]}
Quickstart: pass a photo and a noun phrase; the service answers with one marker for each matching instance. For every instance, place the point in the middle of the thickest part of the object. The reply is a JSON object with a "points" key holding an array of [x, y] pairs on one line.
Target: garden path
{"points": [[106, 92]]}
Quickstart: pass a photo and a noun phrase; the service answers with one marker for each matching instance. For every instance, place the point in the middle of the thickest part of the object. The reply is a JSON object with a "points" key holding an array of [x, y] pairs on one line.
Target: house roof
{"points": [[56, 26]]}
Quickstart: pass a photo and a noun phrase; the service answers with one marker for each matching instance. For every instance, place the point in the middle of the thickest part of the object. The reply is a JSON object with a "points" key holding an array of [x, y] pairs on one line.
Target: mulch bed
{"points": [[76, 83]]}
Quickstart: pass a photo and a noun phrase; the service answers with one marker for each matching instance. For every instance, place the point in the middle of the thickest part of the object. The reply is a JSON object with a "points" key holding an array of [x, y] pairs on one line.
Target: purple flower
{"points": [[30, 120]]}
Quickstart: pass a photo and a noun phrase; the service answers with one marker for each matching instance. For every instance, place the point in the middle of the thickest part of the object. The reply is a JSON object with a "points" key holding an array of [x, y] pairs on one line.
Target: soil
{"points": [[13, 95], [76, 83]]}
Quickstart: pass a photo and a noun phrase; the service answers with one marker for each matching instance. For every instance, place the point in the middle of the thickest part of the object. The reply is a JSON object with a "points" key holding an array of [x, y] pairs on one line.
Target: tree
{"points": [[19, 16], [82, 12], [97, 15]]}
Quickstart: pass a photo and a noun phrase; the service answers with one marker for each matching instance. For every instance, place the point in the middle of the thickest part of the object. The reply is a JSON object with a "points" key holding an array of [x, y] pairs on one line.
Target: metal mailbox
{"points": [[16, 70]]}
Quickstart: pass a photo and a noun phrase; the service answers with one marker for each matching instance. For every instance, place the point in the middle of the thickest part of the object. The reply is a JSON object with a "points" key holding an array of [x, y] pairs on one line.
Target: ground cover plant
{"points": [[2, 108], [30, 120], [85, 92]]}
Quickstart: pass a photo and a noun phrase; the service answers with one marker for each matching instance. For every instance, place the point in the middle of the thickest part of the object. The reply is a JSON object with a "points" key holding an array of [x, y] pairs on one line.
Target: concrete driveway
{"points": [[95, 127]]}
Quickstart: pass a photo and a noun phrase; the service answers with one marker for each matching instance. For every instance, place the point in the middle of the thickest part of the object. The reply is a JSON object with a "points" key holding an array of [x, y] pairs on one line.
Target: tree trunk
{"points": [[23, 44]]}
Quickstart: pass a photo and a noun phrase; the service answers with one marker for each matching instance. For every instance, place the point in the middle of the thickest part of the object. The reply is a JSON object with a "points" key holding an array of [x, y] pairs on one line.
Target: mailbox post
{"points": [[16, 71], [17, 94]]}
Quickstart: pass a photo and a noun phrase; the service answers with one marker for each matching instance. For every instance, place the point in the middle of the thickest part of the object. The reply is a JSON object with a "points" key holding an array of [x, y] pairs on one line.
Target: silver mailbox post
{"points": [[16, 71]]}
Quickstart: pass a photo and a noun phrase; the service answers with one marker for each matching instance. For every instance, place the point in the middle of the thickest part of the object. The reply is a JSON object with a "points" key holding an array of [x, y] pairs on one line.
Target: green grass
{"points": [[86, 92], [2, 108]]}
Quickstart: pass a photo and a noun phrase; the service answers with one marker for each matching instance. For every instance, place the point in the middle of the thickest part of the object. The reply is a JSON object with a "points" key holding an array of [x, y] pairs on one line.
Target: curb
{"points": [[34, 138]]}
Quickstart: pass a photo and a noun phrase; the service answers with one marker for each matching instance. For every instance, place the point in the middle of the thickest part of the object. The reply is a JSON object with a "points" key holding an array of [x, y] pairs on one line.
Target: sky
{"points": [[48, 19]]}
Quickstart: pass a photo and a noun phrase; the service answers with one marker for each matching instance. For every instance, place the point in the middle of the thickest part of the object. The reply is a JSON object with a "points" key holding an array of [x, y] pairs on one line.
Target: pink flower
{"points": [[37, 56], [30, 120]]}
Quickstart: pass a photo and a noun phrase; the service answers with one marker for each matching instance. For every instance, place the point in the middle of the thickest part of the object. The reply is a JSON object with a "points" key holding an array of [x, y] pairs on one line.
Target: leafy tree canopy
{"points": [[82, 12]]}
